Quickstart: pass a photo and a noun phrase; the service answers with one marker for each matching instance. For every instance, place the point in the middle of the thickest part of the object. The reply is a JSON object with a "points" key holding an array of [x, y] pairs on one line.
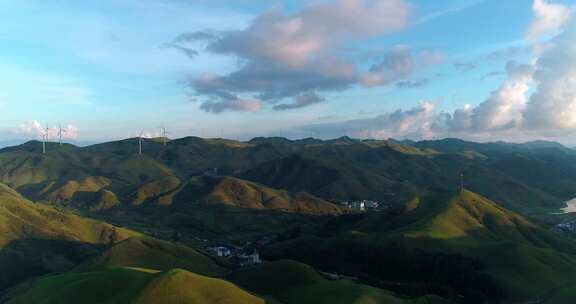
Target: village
{"points": [[245, 255], [364, 205], [567, 227]]}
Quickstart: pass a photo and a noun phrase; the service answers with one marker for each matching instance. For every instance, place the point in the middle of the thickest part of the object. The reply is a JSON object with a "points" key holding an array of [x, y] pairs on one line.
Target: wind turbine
{"points": [[140, 143], [45, 135], [164, 136], [60, 132]]}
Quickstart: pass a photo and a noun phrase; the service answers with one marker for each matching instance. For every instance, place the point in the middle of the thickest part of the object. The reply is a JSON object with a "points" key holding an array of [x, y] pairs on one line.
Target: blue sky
{"points": [[109, 69]]}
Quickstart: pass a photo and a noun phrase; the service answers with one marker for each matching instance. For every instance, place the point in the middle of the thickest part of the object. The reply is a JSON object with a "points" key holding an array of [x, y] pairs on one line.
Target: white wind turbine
{"points": [[60, 134], [164, 136], [45, 136], [140, 142]]}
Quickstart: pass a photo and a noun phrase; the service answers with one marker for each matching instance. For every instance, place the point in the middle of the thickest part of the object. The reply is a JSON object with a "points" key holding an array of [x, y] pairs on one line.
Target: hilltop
{"points": [[461, 245]]}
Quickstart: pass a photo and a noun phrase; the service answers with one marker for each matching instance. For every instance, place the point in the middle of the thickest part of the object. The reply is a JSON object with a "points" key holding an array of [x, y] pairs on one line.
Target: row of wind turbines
{"points": [[45, 133], [164, 137], [46, 136]]}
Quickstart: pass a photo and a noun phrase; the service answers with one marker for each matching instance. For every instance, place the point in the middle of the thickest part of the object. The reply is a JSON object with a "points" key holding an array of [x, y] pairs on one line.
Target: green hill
{"points": [[296, 283], [37, 239], [462, 247], [155, 254], [457, 246], [130, 285], [20, 218], [239, 193]]}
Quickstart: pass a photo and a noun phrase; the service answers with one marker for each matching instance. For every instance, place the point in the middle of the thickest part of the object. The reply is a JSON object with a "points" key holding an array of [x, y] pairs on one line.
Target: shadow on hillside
{"points": [[23, 259], [493, 258], [213, 223]]}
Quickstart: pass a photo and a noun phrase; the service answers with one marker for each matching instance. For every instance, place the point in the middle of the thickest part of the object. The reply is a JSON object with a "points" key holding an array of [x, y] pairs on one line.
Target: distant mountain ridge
{"points": [[531, 177]]}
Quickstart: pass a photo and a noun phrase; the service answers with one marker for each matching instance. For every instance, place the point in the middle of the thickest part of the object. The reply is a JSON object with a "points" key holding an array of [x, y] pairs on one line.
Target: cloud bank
{"points": [[536, 98], [549, 18], [289, 61]]}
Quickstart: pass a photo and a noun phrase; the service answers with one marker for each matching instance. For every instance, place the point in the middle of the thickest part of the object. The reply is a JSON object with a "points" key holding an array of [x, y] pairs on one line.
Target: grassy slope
{"points": [[524, 259], [244, 194], [129, 285], [37, 239], [294, 283], [154, 254], [155, 189], [20, 218]]}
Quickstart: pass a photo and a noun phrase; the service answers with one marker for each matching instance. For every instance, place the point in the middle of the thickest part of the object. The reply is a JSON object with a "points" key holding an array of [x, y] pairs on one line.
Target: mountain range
{"points": [[529, 177], [458, 221]]}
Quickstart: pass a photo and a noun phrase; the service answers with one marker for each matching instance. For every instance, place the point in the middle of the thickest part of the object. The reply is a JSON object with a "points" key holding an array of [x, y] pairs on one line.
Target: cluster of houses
{"points": [[568, 227], [362, 205], [246, 255]]}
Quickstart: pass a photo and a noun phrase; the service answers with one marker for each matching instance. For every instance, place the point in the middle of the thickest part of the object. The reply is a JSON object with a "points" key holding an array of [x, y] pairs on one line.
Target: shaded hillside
{"points": [[37, 239], [93, 193], [279, 282], [296, 283], [460, 247], [130, 285], [20, 218], [368, 171], [150, 253]]}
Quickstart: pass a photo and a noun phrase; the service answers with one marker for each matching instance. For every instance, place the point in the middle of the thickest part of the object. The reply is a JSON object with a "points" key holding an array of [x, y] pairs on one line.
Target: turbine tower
{"points": [[164, 136], [140, 143], [60, 132], [45, 135]]}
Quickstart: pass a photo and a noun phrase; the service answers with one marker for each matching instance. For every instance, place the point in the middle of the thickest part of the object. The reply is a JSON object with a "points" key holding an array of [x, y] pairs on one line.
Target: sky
{"points": [[100, 70]]}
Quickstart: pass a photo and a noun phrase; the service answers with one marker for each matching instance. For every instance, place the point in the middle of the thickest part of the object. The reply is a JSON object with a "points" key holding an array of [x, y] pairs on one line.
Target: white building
{"points": [[220, 250]]}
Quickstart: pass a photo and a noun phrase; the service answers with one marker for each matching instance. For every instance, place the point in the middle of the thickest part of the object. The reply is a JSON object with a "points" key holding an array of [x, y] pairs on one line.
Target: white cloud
{"points": [[535, 99], [35, 129], [550, 18], [296, 40], [301, 55], [553, 104], [415, 122], [503, 109]]}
